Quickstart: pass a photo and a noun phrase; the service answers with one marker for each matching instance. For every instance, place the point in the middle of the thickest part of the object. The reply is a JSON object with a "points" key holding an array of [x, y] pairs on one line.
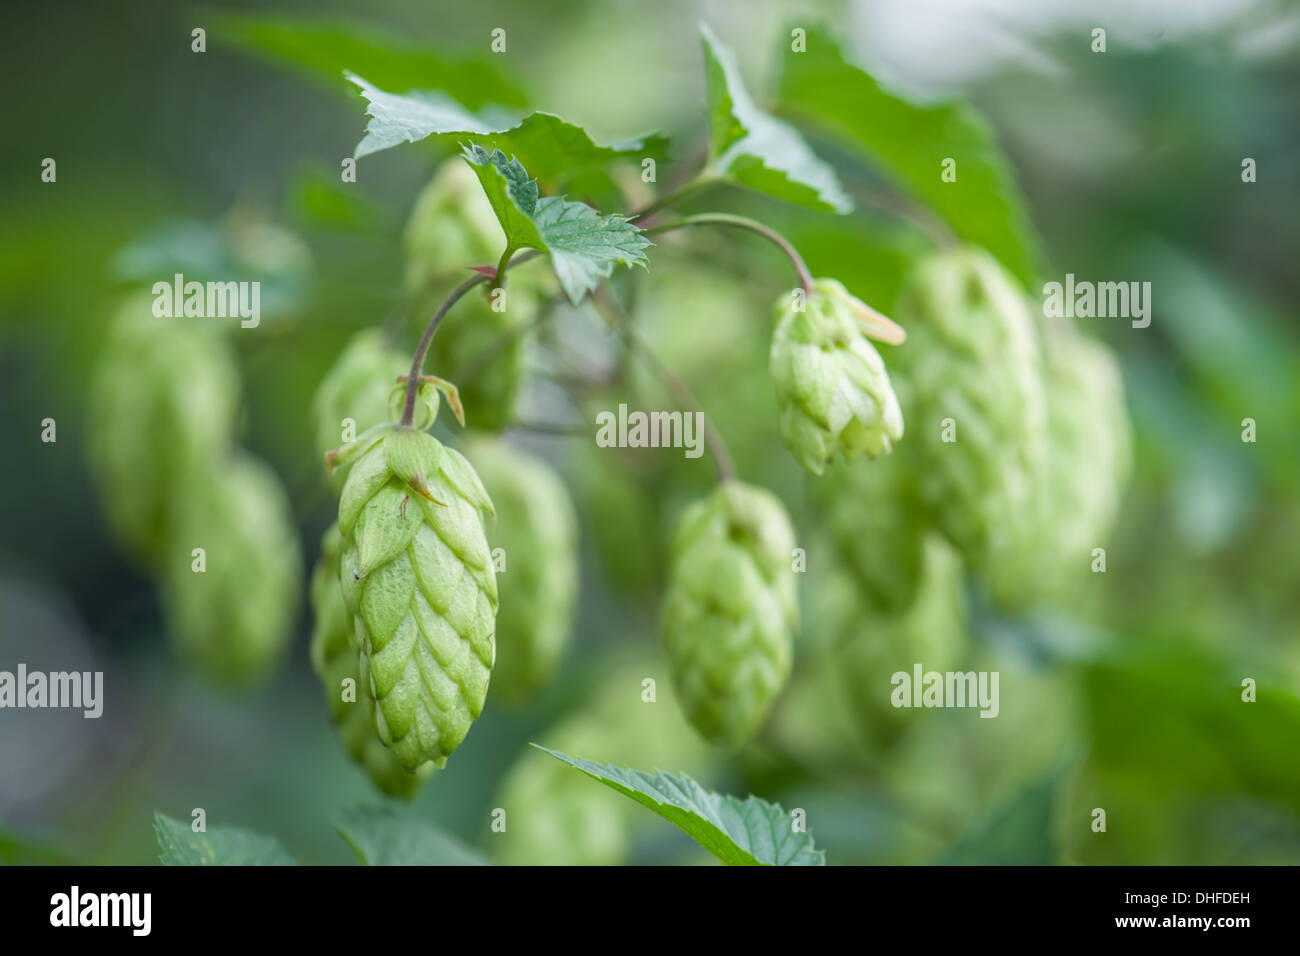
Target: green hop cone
{"points": [[354, 396], [418, 578], [831, 383], [729, 612], [975, 378], [234, 618], [452, 227], [164, 395], [483, 351], [336, 663], [1089, 457], [536, 530]]}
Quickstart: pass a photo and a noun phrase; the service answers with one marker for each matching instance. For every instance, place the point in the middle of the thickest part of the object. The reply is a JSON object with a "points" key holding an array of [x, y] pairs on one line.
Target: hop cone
{"points": [[554, 816], [335, 661], [357, 387], [876, 643], [831, 383], [163, 399], [1089, 456], [973, 357], [418, 578], [452, 227], [537, 530], [235, 618], [729, 611], [483, 351]]}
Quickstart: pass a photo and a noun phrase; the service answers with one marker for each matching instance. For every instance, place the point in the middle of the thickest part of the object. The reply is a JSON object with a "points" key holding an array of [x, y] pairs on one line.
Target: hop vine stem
{"points": [[422, 349], [730, 220]]}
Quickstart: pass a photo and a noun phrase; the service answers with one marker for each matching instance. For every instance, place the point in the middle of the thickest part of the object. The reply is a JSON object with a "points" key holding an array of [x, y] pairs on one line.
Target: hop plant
{"points": [[831, 383], [233, 613], [555, 818], [729, 611], [354, 396], [536, 530], [419, 581], [335, 660], [975, 375], [164, 395]]}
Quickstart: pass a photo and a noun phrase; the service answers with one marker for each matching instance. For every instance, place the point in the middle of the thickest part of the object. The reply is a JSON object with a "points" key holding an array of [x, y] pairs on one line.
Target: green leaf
{"points": [[751, 148], [388, 836], [324, 48], [750, 832], [583, 245], [554, 150], [219, 846], [907, 144]]}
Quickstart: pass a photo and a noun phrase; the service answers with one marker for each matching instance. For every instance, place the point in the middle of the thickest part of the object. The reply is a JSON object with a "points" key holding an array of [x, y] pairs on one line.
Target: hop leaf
{"points": [[729, 611], [583, 245], [831, 383], [234, 618], [358, 387], [979, 418], [163, 398], [418, 578], [335, 661], [537, 531]]}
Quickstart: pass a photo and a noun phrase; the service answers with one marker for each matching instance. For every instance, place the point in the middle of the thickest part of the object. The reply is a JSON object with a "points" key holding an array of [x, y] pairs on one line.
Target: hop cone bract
{"points": [[729, 611]]}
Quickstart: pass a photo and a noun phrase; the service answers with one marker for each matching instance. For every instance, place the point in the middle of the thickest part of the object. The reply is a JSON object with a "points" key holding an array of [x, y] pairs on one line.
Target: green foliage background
{"points": [[1126, 166]]}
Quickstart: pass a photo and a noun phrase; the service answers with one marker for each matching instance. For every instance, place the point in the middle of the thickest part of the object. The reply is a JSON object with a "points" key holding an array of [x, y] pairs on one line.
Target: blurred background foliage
{"points": [[1126, 696]]}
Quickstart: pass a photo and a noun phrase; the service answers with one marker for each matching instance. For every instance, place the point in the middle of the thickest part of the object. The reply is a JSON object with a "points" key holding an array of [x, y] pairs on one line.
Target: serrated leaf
{"points": [[551, 148], [908, 144], [584, 245], [219, 846], [754, 149], [388, 836], [749, 832], [324, 48]]}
